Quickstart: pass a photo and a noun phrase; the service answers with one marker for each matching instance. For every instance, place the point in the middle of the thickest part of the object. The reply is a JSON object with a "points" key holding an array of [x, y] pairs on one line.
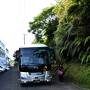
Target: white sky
{"points": [[14, 18]]}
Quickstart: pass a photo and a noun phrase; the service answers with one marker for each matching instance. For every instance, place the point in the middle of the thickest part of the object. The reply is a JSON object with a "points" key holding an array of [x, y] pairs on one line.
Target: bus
{"points": [[35, 63]]}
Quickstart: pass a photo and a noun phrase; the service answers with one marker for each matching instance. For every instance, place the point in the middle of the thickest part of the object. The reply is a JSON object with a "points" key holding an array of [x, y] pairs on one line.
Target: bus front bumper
{"points": [[35, 78]]}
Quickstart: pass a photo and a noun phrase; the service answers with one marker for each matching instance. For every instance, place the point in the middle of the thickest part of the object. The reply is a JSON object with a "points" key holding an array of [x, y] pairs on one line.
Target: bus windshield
{"points": [[34, 56]]}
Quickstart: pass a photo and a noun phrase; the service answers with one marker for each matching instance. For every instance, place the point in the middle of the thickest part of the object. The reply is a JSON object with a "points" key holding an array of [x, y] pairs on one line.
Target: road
{"points": [[9, 81]]}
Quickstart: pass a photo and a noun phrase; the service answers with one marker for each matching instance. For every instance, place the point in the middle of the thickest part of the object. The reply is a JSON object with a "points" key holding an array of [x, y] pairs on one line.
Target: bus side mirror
{"points": [[20, 55]]}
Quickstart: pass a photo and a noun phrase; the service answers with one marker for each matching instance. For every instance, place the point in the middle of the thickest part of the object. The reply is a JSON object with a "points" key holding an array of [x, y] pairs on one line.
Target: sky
{"points": [[15, 16]]}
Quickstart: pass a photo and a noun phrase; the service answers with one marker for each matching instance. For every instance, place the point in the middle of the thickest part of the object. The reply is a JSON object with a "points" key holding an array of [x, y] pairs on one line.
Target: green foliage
{"points": [[44, 25], [86, 40], [65, 27], [73, 35], [78, 73]]}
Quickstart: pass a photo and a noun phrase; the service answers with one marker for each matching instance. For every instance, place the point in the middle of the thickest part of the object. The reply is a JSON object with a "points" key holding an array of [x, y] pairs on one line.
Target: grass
{"points": [[77, 73]]}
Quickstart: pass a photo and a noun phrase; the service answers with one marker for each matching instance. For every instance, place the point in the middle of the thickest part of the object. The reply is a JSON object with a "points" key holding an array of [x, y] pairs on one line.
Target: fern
{"points": [[84, 57], [72, 35], [86, 40], [88, 49], [88, 59]]}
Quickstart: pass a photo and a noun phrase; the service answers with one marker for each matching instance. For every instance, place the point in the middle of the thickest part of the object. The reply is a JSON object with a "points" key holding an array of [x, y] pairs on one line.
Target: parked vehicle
{"points": [[35, 63], [3, 58], [2, 69]]}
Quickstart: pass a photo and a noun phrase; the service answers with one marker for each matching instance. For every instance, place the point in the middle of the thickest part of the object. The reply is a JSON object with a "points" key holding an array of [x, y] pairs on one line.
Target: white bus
{"points": [[35, 63]]}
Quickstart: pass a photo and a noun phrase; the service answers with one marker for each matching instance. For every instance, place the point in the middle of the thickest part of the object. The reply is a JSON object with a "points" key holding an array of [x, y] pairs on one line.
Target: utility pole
{"points": [[24, 39]]}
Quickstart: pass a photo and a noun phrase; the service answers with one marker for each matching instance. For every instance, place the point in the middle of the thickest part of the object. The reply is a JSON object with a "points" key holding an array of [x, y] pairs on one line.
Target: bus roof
{"points": [[34, 45]]}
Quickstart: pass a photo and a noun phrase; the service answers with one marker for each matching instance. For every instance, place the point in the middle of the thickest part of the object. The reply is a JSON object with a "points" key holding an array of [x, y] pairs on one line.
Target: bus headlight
{"points": [[23, 75]]}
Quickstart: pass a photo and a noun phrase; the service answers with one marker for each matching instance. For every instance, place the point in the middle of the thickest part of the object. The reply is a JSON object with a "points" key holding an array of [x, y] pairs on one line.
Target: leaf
{"points": [[88, 59], [88, 49], [84, 57], [86, 40], [80, 55]]}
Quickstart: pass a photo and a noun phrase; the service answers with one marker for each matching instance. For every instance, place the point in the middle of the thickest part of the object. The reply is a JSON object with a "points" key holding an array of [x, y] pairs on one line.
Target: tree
{"points": [[44, 25]]}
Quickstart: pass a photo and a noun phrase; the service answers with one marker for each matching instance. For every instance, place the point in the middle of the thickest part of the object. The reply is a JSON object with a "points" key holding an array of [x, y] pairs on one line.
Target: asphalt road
{"points": [[9, 81]]}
